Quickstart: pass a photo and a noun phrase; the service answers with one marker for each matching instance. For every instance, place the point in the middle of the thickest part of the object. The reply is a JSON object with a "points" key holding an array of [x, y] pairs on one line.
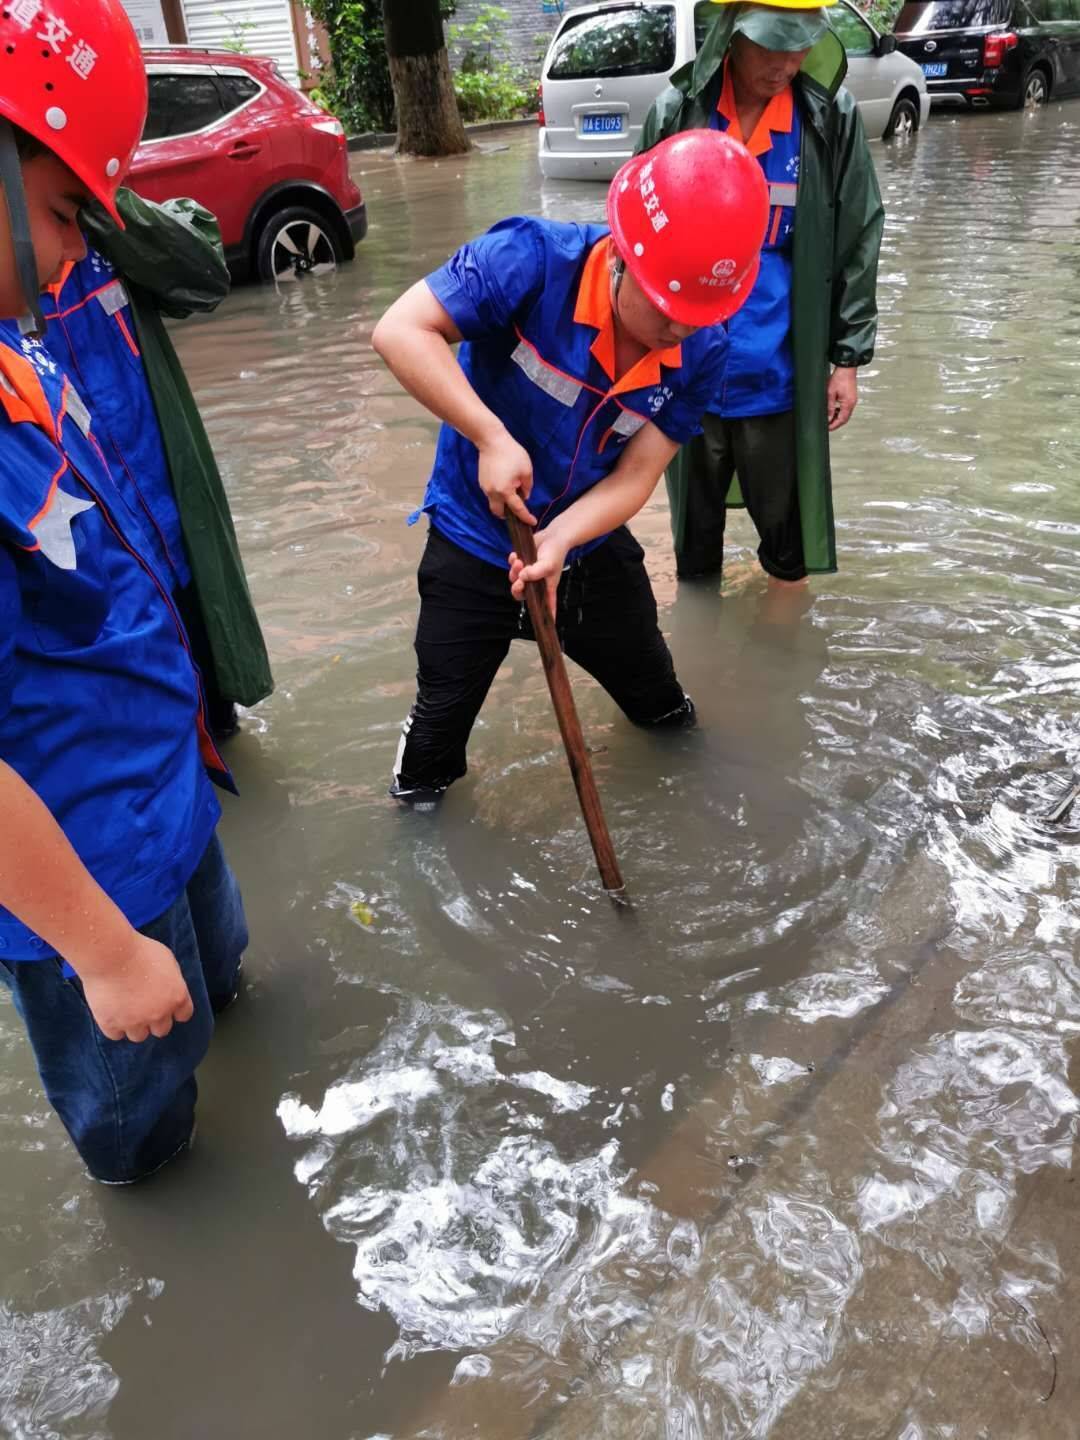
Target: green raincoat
{"points": [[171, 261], [834, 265]]}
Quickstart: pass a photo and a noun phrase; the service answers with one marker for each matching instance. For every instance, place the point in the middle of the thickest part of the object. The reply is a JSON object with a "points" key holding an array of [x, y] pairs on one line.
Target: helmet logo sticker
{"points": [[24, 12], [724, 269], [653, 204], [55, 32]]}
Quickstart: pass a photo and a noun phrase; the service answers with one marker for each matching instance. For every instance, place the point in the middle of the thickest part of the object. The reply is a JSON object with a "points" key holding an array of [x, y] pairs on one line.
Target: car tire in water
{"points": [[1035, 91], [904, 120], [295, 243]]}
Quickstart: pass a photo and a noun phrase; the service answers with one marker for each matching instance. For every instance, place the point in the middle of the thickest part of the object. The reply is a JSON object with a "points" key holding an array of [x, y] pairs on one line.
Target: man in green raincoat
{"points": [[770, 75], [104, 325]]}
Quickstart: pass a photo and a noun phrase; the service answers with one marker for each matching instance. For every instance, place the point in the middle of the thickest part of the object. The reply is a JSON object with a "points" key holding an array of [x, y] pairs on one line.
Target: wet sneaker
{"points": [[683, 717], [419, 797]]}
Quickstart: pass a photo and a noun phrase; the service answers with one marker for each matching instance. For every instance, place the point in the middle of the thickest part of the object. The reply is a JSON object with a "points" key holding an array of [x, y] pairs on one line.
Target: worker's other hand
{"points": [[506, 477], [548, 568], [841, 396], [141, 993]]}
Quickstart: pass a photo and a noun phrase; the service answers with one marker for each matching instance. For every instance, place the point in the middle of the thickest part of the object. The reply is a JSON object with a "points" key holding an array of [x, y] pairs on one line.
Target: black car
{"points": [[993, 52]]}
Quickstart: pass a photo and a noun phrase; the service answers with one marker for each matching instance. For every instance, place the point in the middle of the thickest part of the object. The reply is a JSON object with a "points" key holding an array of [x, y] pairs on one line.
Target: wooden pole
{"points": [[562, 698]]}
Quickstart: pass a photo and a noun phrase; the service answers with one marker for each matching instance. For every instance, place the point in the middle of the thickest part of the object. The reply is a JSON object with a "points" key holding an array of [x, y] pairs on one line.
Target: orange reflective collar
{"points": [[593, 308], [778, 116], [58, 285], [21, 392]]}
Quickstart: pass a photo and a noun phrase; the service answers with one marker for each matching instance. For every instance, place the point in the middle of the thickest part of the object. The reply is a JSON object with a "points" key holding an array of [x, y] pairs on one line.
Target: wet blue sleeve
{"points": [[10, 611], [702, 381], [484, 286]]}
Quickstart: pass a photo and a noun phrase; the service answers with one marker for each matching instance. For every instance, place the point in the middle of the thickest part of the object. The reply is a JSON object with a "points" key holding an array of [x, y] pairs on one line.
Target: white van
{"points": [[608, 62]]}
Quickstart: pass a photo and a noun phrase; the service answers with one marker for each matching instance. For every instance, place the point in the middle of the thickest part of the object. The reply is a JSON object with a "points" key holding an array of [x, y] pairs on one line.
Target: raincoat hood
{"points": [[826, 64], [784, 30]]}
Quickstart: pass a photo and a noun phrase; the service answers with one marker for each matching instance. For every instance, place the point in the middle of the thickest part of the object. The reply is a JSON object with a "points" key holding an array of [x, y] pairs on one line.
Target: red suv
{"points": [[230, 132]]}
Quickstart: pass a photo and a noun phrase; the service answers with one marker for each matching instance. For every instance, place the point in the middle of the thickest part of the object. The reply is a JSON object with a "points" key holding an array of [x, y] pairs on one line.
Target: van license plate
{"points": [[601, 124], [936, 71]]}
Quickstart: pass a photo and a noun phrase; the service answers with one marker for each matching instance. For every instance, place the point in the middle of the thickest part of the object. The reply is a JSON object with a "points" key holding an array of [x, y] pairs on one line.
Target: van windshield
{"points": [[920, 16], [630, 40]]}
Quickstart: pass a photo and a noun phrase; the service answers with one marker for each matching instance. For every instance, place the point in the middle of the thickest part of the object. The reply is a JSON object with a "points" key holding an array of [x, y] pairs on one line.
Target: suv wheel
{"points": [[294, 243], [1036, 92], [903, 122]]}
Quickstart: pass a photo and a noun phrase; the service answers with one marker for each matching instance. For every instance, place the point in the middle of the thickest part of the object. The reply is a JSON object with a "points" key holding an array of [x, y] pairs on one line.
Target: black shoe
{"points": [[683, 717], [419, 797]]}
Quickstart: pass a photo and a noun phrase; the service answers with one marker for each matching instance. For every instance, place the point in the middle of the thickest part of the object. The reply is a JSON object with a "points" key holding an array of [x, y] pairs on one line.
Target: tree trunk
{"points": [[428, 118]]}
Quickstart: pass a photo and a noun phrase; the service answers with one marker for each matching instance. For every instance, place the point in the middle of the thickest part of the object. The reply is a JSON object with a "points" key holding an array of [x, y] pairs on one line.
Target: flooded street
{"points": [[788, 1150]]}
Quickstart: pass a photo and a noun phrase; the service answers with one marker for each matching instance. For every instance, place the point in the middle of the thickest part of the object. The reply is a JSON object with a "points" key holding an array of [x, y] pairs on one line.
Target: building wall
{"points": [[528, 19], [261, 27]]}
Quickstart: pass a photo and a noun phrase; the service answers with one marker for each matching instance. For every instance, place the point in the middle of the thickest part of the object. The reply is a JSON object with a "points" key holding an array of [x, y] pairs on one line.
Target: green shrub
{"points": [[487, 85], [881, 13], [489, 94]]}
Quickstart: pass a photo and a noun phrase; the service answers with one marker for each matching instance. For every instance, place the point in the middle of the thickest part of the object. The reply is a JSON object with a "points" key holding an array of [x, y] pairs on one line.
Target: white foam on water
{"points": [[354, 1104], [777, 1069], [455, 1205], [836, 994], [53, 1381], [472, 1367]]}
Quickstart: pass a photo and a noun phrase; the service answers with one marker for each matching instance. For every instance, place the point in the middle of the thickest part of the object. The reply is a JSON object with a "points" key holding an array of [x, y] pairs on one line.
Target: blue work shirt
{"points": [[91, 335], [101, 710], [760, 378], [532, 300]]}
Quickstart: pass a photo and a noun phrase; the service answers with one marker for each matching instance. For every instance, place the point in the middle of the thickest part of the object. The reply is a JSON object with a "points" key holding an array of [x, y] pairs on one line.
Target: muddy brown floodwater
{"points": [[789, 1150]]}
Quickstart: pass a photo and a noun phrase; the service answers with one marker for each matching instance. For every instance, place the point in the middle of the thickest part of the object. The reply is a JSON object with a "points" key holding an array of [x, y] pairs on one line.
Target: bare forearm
{"points": [[45, 884], [619, 496], [420, 357]]}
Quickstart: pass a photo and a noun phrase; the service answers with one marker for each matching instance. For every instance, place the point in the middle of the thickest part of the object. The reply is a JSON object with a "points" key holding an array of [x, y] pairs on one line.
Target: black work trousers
{"points": [[607, 623], [760, 450]]}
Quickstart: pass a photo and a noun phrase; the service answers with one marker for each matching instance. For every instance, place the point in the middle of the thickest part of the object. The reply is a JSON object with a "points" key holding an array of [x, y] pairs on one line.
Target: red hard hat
{"points": [[689, 218], [72, 76]]}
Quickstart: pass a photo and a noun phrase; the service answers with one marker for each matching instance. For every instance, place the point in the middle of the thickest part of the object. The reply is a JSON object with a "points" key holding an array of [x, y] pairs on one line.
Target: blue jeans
{"points": [[129, 1108]]}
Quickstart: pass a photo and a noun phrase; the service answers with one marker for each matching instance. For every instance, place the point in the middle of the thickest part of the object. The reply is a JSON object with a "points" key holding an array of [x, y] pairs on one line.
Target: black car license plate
{"points": [[936, 70]]}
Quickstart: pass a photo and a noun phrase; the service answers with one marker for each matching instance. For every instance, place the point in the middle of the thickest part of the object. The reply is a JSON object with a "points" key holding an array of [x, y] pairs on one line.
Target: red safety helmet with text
{"points": [[689, 219], [72, 76]]}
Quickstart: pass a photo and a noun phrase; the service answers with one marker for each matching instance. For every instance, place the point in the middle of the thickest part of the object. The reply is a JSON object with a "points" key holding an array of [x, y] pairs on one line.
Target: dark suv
{"points": [[994, 52]]}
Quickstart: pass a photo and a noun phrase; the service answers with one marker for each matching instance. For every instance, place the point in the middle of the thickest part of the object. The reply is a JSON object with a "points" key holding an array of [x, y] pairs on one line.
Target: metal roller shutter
{"points": [[262, 27]]}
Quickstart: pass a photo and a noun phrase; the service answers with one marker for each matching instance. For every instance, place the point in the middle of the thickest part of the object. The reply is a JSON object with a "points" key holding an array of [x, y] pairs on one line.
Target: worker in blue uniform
{"points": [[590, 355], [121, 924]]}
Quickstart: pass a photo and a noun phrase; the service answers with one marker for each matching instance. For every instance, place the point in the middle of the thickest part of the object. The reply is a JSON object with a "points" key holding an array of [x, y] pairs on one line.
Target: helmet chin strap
{"points": [[33, 322], [618, 275]]}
